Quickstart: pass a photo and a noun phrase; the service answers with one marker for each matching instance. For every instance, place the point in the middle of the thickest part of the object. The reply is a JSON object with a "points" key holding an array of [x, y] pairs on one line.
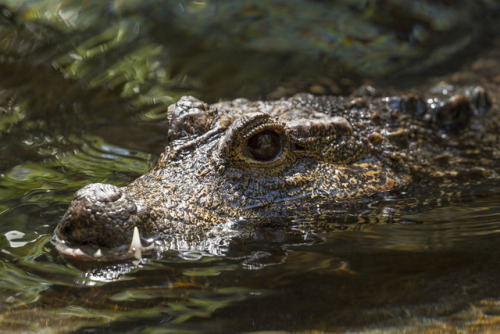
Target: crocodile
{"points": [[240, 165]]}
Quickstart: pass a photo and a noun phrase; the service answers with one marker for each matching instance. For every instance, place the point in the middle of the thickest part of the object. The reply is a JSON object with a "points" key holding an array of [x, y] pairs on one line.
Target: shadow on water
{"points": [[87, 105]]}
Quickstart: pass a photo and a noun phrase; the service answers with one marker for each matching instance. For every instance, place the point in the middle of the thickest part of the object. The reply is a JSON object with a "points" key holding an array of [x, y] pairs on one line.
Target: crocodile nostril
{"points": [[99, 192]]}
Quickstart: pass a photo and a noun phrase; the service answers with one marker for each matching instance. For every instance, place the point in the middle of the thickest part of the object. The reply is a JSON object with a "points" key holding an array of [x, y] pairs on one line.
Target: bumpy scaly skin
{"points": [[99, 212], [262, 159]]}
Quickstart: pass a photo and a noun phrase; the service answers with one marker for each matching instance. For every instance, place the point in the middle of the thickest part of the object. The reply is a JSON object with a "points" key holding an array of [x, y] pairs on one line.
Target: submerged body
{"points": [[241, 163]]}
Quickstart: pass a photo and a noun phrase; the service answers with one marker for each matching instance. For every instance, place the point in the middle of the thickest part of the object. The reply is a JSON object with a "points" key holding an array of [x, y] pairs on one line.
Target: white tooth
{"points": [[78, 252], [98, 254], [136, 245], [137, 253]]}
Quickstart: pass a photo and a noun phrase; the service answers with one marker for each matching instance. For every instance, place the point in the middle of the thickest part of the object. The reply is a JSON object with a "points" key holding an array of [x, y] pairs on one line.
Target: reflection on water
{"points": [[157, 48], [41, 185], [82, 100]]}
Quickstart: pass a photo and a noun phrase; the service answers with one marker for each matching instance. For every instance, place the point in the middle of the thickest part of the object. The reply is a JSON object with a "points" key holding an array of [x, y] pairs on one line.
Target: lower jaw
{"points": [[134, 250]]}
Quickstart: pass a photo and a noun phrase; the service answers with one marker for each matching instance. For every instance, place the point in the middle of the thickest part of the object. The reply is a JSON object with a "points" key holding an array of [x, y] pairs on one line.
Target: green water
{"points": [[83, 100]]}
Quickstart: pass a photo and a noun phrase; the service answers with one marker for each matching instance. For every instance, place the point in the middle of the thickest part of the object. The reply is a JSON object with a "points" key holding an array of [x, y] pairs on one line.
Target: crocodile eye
{"points": [[256, 140], [265, 145]]}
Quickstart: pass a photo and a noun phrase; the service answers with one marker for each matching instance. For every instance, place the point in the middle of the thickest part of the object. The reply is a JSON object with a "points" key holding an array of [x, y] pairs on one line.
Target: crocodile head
{"points": [[243, 161]]}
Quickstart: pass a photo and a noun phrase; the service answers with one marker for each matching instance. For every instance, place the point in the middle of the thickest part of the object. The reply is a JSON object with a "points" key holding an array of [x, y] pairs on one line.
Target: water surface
{"points": [[90, 107]]}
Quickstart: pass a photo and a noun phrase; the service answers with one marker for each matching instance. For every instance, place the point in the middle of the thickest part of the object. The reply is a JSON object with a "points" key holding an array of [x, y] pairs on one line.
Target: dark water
{"points": [[441, 274], [67, 121]]}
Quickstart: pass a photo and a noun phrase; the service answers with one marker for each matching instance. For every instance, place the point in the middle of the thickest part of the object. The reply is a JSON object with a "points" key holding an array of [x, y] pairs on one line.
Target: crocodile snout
{"points": [[100, 215]]}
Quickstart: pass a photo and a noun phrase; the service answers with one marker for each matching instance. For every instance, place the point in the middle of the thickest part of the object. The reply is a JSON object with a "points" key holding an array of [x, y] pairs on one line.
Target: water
{"points": [[434, 275], [60, 132]]}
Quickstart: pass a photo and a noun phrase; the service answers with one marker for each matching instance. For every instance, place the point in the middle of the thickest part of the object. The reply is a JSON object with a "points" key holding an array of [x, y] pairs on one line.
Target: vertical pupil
{"points": [[265, 145]]}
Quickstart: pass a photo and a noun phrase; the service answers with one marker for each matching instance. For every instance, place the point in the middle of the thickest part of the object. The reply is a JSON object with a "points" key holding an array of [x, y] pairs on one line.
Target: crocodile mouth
{"points": [[133, 251]]}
